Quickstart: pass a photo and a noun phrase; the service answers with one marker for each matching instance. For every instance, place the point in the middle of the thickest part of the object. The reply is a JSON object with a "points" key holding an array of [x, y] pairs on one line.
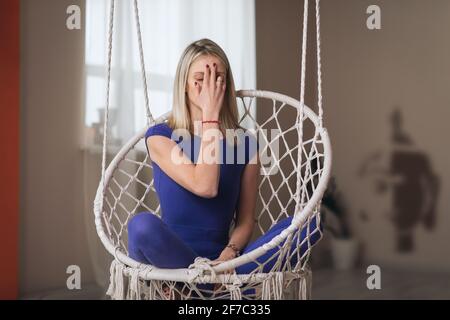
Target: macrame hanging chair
{"points": [[292, 186]]}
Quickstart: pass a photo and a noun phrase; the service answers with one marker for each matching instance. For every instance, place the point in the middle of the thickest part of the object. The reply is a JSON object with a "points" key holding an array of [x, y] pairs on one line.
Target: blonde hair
{"points": [[180, 117]]}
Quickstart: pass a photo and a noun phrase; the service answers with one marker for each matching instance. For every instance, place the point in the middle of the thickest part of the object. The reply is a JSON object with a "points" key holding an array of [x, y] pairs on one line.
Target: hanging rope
{"points": [[108, 81], [319, 65], [108, 85], [303, 62], [141, 56], [302, 107], [300, 113]]}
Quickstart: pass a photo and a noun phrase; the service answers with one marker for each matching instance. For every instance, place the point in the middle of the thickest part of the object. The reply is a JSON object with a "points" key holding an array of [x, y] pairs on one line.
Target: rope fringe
{"points": [[272, 287], [234, 288], [235, 291], [116, 281], [134, 286]]}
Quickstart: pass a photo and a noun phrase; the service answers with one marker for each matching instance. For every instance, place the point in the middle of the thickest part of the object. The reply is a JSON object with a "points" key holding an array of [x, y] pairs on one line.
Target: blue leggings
{"points": [[151, 241]]}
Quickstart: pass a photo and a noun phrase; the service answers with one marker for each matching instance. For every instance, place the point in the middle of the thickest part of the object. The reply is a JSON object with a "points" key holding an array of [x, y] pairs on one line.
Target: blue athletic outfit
{"points": [[190, 225]]}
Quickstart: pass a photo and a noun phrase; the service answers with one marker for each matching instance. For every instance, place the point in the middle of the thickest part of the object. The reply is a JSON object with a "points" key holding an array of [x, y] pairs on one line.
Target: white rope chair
{"points": [[293, 185]]}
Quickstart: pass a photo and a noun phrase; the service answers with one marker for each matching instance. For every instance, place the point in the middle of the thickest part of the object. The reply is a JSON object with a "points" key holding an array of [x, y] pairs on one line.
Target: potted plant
{"points": [[344, 247]]}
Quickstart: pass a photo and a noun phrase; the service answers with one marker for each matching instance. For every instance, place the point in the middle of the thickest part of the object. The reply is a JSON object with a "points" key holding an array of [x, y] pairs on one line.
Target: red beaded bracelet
{"points": [[211, 121]]}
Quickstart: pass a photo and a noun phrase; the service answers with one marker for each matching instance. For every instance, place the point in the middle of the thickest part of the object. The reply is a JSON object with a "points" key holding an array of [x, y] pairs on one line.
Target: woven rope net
{"points": [[129, 189]]}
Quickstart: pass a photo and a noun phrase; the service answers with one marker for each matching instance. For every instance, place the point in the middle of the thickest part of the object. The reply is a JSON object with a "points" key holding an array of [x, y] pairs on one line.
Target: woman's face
{"points": [[195, 74]]}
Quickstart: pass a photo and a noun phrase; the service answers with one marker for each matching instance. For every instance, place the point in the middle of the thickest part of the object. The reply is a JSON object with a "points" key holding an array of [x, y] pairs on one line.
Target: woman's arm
{"points": [[246, 210], [202, 178]]}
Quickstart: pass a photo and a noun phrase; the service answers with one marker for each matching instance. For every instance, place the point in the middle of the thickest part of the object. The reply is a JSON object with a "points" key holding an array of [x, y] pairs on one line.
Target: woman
{"points": [[199, 185]]}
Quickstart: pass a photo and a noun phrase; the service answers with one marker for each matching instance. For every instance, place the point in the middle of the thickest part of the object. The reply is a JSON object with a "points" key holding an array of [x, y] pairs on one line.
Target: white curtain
{"points": [[168, 26]]}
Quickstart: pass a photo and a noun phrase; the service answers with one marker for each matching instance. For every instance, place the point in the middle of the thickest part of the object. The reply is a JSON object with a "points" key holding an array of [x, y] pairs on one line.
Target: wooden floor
{"points": [[395, 284]]}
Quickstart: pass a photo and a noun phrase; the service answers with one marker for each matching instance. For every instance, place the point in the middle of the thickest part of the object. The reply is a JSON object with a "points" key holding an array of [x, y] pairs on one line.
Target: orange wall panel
{"points": [[9, 159]]}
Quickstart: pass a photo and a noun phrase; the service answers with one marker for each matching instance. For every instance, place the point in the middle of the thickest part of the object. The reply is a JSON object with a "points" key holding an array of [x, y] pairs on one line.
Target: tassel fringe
{"points": [[272, 287], [134, 287], [116, 281]]}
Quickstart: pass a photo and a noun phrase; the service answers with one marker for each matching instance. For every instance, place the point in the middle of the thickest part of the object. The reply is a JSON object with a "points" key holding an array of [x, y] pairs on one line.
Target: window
{"points": [[167, 26]]}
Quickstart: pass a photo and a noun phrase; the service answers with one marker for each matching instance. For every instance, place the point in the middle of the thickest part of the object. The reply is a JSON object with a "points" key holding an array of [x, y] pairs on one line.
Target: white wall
{"points": [[52, 221], [365, 75]]}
